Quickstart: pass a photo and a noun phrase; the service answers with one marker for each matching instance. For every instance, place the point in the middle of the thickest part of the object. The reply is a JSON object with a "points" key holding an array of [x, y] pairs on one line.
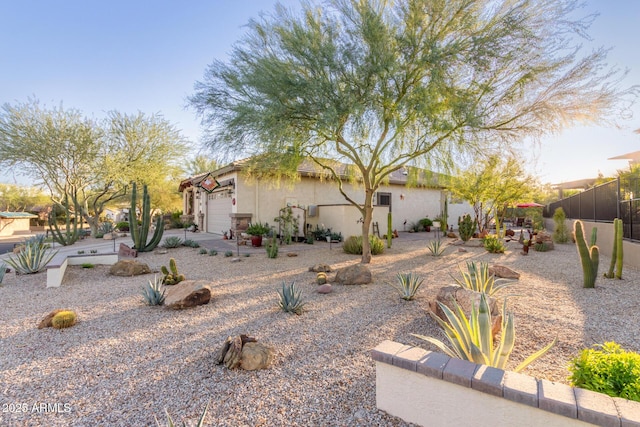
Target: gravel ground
{"points": [[125, 363]]}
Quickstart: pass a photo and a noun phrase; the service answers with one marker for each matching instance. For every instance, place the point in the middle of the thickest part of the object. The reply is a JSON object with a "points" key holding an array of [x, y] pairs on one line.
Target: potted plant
{"points": [[256, 231], [426, 224]]}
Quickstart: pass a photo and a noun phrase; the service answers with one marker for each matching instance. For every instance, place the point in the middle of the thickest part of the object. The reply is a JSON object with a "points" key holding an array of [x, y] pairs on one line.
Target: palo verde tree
{"points": [[491, 185], [380, 85], [86, 164]]}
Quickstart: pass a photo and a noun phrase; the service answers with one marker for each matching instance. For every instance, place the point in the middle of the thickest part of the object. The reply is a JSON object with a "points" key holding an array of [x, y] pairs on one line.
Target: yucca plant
{"points": [[33, 257], [409, 283], [170, 422], [291, 298], [472, 339], [213, 252], [478, 279], [154, 292], [436, 247], [172, 242]]}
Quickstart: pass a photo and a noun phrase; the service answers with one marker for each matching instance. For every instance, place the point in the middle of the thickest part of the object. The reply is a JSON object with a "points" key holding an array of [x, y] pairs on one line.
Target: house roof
{"points": [[15, 215], [633, 157], [580, 184], [418, 177]]}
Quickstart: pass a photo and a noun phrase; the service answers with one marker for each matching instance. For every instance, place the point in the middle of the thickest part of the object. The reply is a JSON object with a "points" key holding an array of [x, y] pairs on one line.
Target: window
{"points": [[383, 199]]}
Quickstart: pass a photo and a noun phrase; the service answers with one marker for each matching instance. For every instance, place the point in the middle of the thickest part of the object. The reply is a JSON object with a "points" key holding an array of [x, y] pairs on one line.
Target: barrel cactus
{"points": [[64, 319]]}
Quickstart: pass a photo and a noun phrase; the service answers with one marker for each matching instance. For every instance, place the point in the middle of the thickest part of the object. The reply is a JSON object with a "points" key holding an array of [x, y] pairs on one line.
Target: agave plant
{"points": [[3, 271], [472, 339], [33, 257], [291, 298], [154, 291], [170, 422], [172, 242], [409, 284], [477, 278], [436, 247]]}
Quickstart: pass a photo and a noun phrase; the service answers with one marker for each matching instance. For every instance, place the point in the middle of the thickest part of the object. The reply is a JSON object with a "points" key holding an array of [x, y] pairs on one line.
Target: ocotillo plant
{"points": [[617, 254], [589, 255], [71, 233], [139, 233]]}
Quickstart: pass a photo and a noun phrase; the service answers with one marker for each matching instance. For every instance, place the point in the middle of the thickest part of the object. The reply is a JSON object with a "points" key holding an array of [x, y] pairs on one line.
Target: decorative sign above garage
{"points": [[209, 183]]}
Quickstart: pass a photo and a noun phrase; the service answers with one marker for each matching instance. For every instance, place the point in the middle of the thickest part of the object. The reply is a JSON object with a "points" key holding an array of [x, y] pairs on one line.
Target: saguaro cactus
{"points": [[589, 255], [139, 233], [617, 254]]}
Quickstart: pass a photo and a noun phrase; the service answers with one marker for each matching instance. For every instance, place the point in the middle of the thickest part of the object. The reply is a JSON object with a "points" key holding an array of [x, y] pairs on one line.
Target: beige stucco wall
{"points": [[11, 226], [432, 402]]}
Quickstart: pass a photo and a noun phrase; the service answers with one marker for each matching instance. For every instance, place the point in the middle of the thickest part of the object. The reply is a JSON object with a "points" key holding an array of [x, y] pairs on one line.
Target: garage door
{"points": [[218, 210]]}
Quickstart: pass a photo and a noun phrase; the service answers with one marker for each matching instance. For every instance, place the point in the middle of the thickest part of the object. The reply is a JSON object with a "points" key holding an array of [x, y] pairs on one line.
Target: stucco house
{"points": [[225, 199], [12, 223]]}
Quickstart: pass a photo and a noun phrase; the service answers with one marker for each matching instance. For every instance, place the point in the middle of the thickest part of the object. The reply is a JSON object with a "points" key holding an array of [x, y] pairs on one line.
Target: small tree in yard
{"points": [[380, 85]]}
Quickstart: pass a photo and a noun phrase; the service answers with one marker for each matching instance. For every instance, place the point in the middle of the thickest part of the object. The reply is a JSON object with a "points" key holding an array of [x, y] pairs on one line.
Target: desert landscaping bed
{"points": [[124, 363]]}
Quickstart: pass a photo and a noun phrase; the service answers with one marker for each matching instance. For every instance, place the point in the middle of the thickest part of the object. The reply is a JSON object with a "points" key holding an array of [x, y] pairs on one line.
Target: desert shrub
{"points": [[607, 369], [123, 226], [228, 254], [493, 244], [353, 245], [87, 265], [213, 252], [561, 233], [424, 223], [203, 251], [190, 243], [154, 291]]}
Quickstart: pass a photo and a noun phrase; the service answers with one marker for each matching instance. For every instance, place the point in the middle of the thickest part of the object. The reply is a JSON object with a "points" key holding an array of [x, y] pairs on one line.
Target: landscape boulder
{"points": [[188, 293], [46, 322], [325, 289], [503, 272], [129, 267], [357, 274], [244, 352]]}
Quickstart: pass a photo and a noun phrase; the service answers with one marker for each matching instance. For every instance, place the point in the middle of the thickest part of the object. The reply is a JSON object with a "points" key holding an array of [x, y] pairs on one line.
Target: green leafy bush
{"points": [[561, 233], [203, 251], [607, 369], [213, 252], [494, 244], [408, 286], [478, 279], [228, 254], [87, 265], [424, 223], [353, 245], [123, 226], [291, 298]]}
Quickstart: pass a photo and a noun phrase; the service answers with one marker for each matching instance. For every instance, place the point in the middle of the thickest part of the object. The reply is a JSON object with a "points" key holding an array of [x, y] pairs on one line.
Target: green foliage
{"points": [[104, 228], [170, 422], [436, 247], [291, 300], [353, 245], [154, 291], [589, 255], [171, 275], [191, 243], [609, 370], [71, 232], [80, 252], [122, 226], [272, 248], [87, 265], [389, 230], [472, 338], [64, 319], [228, 254], [258, 229], [408, 285], [203, 251], [424, 223], [478, 279], [466, 227], [493, 244], [541, 247], [213, 252], [172, 242], [617, 253], [32, 258], [139, 233], [561, 233]]}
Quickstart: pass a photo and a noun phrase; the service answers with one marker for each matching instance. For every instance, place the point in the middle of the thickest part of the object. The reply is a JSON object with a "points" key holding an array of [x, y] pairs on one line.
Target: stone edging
{"points": [[557, 398]]}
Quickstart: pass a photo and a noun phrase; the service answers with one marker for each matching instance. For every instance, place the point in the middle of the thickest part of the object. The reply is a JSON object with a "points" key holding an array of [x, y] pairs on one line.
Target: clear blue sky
{"points": [[146, 56]]}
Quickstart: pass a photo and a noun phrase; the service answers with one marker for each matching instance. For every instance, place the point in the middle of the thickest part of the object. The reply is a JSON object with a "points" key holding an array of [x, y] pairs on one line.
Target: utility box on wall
{"points": [[312, 211]]}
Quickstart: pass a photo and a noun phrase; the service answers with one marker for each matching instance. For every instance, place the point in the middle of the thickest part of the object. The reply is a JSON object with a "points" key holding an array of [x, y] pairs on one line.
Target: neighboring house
{"points": [[224, 200], [12, 223], [116, 215]]}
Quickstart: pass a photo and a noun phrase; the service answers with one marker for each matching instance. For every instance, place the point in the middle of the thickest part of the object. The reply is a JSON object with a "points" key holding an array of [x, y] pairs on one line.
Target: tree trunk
{"points": [[366, 226]]}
